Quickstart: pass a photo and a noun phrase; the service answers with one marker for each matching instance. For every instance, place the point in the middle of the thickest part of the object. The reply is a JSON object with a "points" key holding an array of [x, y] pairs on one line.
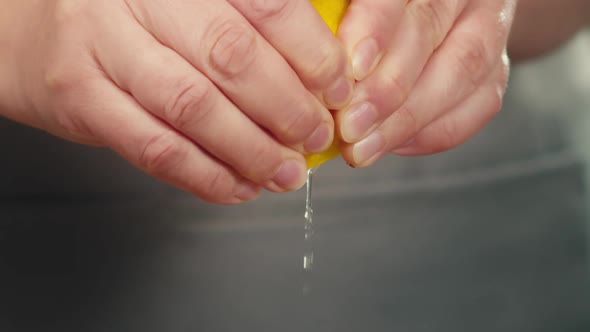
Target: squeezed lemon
{"points": [[332, 11]]}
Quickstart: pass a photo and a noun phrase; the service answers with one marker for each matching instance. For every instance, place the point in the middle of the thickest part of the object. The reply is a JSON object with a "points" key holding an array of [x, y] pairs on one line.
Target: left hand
{"points": [[431, 74]]}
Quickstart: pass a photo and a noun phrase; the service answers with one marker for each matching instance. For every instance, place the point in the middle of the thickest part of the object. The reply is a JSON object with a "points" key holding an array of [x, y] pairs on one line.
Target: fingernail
{"points": [[319, 140], [246, 191], [339, 94], [358, 121], [291, 175], [368, 148], [365, 58]]}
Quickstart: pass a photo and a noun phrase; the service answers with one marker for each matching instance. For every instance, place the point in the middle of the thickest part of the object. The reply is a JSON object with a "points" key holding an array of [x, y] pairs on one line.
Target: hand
{"points": [[218, 97], [431, 74]]}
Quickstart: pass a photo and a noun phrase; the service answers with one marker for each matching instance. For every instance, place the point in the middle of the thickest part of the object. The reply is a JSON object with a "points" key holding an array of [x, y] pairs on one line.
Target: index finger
{"points": [[220, 43], [296, 30]]}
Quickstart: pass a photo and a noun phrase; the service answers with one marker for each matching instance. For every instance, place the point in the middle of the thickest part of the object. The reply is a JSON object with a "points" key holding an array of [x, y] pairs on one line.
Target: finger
{"points": [[458, 123], [422, 29], [189, 102], [220, 43], [118, 121], [367, 31], [296, 30], [465, 59]]}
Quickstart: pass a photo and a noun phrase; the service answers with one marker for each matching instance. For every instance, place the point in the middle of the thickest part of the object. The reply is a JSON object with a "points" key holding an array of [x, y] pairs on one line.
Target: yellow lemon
{"points": [[332, 12]]}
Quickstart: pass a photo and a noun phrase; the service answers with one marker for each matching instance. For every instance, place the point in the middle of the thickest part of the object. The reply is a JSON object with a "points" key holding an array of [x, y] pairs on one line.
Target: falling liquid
{"points": [[308, 227], [308, 239]]}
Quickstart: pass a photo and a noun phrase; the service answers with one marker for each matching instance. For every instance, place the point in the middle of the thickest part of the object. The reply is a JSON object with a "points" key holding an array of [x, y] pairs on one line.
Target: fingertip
{"points": [[354, 157], [358, 121], [339, 94], [246, 191], [320, 139], [290, 176], [335, 78], [368, 150]]}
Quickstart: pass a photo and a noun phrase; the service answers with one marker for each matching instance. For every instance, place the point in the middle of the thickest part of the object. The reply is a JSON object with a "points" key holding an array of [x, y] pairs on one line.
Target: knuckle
{"points": [[67, 76], [67, 70], [264, 10], [431, 15], [447, 137], [61, 82], [325, 64], [68, 93], [215, 186], [190, 104], [234, 48], [395, 90], [161, 153], [66, 88], [473, 60], [263, 163], [298, 124], [406, 125]]}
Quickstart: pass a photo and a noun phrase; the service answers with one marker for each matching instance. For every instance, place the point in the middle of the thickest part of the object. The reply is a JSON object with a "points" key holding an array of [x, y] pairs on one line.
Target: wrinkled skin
{"points": [[220, 98], [431, 74], [223, 98]]}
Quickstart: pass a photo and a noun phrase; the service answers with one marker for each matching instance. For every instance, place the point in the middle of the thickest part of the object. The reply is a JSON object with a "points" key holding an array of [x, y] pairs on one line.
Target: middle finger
{"points": [[422, 29], [220, 43]]}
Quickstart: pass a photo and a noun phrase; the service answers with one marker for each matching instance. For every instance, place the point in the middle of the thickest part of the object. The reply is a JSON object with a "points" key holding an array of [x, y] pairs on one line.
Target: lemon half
{"points": [[332, 11]]}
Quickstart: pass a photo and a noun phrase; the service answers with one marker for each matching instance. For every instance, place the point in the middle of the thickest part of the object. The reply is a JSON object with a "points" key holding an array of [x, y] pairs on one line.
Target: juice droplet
{"points": [[308, 226]]}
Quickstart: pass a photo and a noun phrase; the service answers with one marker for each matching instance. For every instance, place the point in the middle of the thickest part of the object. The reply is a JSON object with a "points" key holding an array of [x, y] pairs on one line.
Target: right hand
{"points": [[220, 98]]}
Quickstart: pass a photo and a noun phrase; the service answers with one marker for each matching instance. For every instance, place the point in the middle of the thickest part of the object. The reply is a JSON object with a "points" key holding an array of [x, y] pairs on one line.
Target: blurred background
{"points": [[492, 236]]}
